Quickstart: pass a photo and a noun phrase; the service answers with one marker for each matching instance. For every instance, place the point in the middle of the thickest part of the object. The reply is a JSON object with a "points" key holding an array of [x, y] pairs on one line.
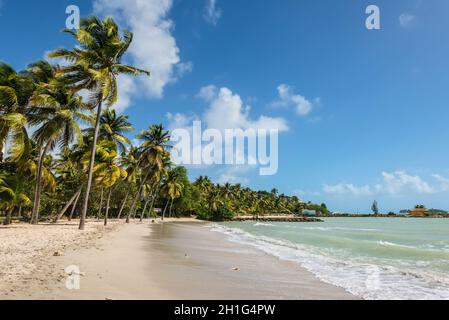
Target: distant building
{"points": [[419, 212]]}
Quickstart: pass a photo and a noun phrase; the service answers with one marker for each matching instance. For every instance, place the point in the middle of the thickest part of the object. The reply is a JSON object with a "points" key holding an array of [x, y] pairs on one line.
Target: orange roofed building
{"points": [[419, 212]]}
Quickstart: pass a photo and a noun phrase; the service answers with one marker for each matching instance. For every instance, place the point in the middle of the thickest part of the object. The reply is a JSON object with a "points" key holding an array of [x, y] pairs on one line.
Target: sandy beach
{"points": [[174, 260]]}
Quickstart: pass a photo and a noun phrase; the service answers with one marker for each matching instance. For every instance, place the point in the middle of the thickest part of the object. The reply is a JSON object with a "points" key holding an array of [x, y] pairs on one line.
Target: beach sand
{"points": [[174, 260]]}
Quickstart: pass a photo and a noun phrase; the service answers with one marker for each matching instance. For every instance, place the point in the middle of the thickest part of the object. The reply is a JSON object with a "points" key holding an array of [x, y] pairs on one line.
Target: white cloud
{"points": [[207, 93], [227, 111], [444, 182], [406, 19], [288, 98], [211, 12], [179, 120], [154, 47], [347, 189], [233, 175], [126, 89], [400, 183], [397, 183]]}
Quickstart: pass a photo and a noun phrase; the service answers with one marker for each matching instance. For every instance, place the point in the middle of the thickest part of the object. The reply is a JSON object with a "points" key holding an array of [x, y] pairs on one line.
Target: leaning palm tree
{"points": [[95, 65], [54, 111]]}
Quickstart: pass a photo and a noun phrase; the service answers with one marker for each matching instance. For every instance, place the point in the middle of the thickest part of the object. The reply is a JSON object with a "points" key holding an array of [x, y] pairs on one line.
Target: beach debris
{"points": [[236, 269], [57, 254], [74, 273]]}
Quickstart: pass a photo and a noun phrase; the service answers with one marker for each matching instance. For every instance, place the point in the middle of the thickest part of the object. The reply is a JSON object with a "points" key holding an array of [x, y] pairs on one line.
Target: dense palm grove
{"points": [[62, 155]]}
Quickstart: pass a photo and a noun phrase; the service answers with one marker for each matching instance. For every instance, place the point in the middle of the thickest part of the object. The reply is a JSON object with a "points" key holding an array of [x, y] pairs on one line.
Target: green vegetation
{"points": [[375, 208], [50, 167]]}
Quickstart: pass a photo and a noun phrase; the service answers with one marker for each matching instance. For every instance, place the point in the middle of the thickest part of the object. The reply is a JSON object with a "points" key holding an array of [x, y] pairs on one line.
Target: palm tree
{"points": [[95, 65], [112, 128], [171, 190], [12, 194], [153, 152], [130, 161], [15, 90], [106, 171], [54, 110]]}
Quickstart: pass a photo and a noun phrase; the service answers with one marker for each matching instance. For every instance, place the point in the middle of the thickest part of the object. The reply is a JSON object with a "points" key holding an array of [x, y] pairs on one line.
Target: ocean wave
{"points": [[342, 229], [392, 244], [261, 224], [366, 279]]}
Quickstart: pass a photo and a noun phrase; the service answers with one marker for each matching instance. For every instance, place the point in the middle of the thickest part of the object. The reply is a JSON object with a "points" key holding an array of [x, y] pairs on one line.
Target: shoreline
{"points": [[175, 260]]}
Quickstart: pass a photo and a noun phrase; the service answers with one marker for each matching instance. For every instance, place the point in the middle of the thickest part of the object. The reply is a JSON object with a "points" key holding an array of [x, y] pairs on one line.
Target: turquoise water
{"points": [[373, 258]]}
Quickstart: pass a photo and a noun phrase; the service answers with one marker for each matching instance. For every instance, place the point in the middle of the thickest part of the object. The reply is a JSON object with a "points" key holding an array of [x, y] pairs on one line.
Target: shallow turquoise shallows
{"points": [[373, 258]]}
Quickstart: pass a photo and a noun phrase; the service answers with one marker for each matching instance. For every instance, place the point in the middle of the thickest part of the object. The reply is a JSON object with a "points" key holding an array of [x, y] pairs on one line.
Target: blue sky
{"points": [[374, 103]]}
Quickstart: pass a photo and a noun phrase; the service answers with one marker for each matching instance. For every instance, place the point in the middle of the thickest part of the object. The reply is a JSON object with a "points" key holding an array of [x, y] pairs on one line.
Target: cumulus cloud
{"points": [[179, 120], [443, 182], [347, 189], [226, 111], [287, 98], [406, 19], [211, 12], [400, 182], [154, 47], [233, 175], [397, 183]]}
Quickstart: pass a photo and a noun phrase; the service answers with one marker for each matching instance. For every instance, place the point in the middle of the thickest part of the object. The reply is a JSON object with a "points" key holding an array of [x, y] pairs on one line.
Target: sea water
{"points": [[372, 258]]}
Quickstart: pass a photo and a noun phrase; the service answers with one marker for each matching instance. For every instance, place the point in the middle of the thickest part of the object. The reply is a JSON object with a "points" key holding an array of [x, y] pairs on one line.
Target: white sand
{"points": [[146, 261]]}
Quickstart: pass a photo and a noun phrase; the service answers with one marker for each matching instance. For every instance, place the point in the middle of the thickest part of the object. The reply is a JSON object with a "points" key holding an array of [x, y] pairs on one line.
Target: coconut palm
{"points": [[112, 128], [12, 194], [55, 112], [106, 170], [153, 153], [130, 161], [15, 90], [172, 189], [95, 65]]}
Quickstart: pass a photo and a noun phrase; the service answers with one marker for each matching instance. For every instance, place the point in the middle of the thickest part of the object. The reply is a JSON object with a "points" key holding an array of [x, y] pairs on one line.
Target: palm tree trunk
{"points": [[19, 215], [101, 205], [8, 219], [123, 205], [37, 193], [91, 166], [2, 151], [107, 207], [171, 207], [136, 208], [74, 205], [144, 209], [156, 192], [133, 207], [165, 209], [67, 206]]}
